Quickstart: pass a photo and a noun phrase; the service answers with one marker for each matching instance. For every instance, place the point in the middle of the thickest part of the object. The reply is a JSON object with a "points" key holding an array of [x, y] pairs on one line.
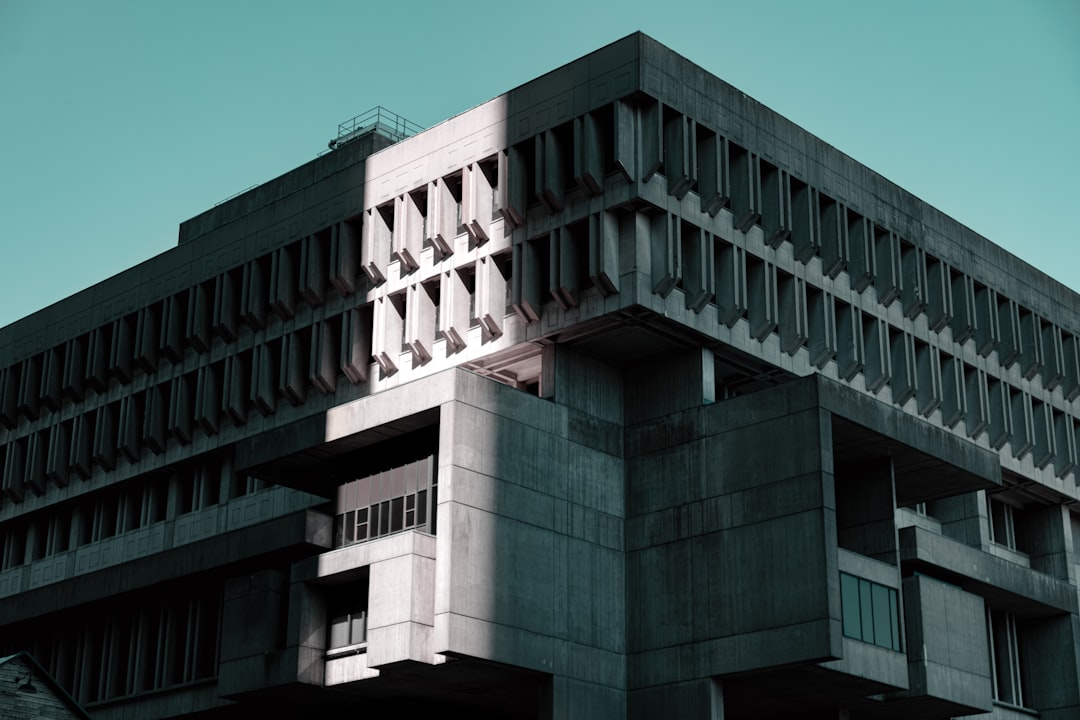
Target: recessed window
{"points": [[347, 607], [870, 612], [1005, 657], [1006, 522], [401, 498]]}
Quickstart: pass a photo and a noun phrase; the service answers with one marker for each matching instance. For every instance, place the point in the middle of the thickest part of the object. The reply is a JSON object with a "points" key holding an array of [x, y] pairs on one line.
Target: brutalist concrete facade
{"points": [[618, 396]]}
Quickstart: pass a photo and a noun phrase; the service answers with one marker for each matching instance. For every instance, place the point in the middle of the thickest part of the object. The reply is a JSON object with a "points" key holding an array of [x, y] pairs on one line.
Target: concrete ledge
{"points": [[1010, 586], [872, 663], [301, 533]]}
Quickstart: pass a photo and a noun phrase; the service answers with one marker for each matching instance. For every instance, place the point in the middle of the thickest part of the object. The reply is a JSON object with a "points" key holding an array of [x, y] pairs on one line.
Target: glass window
{"points": [[894, 617], [882, 619], [347, 615], [866, 611], [849, 601], [1005, 658], [387, 502], [870, 612]]}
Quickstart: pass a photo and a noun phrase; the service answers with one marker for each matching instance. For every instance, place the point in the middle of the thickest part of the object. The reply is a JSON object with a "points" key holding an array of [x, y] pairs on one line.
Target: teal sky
{"points": [[119, 120]]}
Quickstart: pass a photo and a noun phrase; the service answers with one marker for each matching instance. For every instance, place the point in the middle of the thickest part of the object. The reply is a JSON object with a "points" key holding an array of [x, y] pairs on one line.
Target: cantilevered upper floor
{"points": [[627, 203]]}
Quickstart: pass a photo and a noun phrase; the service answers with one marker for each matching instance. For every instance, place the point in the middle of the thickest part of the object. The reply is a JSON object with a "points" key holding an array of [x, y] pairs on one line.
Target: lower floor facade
{"points": [[658, 538]]}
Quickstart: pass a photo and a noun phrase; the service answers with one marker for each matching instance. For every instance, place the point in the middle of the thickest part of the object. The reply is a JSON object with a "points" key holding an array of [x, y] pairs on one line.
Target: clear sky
{"points": [[120, 119]]}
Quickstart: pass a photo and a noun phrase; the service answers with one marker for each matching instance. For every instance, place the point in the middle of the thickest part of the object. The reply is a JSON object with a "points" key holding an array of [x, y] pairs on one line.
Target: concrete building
{"points": [[617, 396]]}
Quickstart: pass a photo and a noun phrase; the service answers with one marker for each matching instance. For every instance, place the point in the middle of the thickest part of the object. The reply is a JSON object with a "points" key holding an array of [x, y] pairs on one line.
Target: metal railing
{"points": [[377, 119]]}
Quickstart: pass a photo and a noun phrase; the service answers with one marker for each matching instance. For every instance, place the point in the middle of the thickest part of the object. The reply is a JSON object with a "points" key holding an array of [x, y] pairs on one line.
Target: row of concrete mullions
{"points": [[558, 264], [197, 398], [109, 352]]}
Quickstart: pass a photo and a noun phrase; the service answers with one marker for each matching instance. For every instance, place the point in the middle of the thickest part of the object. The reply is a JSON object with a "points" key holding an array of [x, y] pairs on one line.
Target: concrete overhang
{"points": [[288, 537], [929, 462], [1003, 584]]}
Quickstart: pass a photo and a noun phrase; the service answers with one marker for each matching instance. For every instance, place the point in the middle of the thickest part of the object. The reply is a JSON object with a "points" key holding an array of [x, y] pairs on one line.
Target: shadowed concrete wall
{"points": [[531, 496], [948, 657], [731, 546]]}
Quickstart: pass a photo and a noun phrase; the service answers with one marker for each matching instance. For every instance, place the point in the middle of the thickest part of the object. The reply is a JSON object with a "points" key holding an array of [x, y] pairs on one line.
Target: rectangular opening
{"points": [[870, 612], [346, 614]]}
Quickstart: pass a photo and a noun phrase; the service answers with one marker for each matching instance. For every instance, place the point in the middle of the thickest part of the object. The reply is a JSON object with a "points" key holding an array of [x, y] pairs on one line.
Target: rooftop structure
{"points": [[617, 396]]}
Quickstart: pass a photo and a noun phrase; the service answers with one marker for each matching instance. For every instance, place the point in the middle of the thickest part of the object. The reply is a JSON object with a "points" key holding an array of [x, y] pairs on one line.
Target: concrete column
{"points": [[1046, 536], [963, 518], [172, 504], [1050, 648], [225, 489], [307, 629], [563, 698], [251, 634], [700, 699]]}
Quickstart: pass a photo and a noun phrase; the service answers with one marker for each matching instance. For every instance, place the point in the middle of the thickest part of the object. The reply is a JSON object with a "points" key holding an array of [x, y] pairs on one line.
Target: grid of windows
{"points": [[1005, 659], [399, 499], [150, 641], [871, 612], [118, 509]]}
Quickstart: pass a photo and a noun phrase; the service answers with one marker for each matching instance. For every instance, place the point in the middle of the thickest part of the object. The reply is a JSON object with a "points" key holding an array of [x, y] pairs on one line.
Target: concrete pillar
{"points": [[251, 632], [307, 629], [172, 505], [1050, 648], [963, 518], [668, 384], [1046, 536], [700, 699]]}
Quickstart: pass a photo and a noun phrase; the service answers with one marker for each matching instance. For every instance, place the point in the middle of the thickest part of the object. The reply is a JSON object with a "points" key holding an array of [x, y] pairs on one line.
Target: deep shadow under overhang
{"points": [[929, 462]]}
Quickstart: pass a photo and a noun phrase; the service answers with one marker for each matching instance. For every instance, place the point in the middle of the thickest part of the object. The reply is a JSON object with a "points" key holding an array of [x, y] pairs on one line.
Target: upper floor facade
{"points": [[626, 182]]}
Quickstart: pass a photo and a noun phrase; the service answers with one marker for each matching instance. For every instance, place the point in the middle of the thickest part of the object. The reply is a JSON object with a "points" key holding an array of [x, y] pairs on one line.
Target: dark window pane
{"points": [[421, 510], [882, 622], [866, 611], [849, 605], [339, 631], [397, 507], [894, 614], [361, 524], [350, 524]]}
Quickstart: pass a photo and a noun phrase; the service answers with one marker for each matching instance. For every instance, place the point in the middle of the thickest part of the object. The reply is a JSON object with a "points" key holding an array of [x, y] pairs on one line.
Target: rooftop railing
{"points": [[377, 119]]}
